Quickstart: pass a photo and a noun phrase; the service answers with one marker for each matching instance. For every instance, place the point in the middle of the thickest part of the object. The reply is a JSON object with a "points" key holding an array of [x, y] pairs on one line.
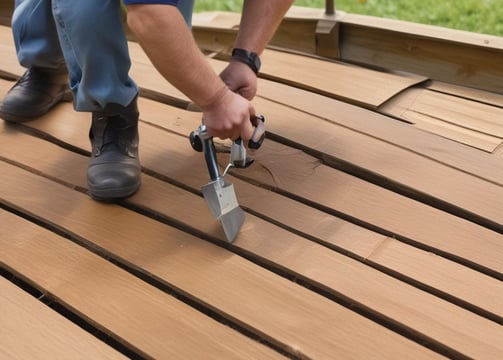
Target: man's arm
{"points": [[259, 21], [164, 36], [170, 46]]}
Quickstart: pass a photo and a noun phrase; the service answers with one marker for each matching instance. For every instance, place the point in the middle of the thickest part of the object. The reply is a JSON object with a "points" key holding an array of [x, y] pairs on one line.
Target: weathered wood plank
{"points": [[470, 122], [10, 67], [304, 219], [342, 81], [459, 57], [284, 313], [362, 154], [402, 135], [216, 31], [444, 184], [303, 176], [278, 164], [481, 96], [114, 300], [452, 56], [155, 87], [342, 275], [31, 330], [338, 80]]}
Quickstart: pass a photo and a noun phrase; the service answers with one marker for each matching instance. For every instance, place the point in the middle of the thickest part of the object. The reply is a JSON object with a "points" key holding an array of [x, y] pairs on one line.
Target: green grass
{"points": [[482, 16]]}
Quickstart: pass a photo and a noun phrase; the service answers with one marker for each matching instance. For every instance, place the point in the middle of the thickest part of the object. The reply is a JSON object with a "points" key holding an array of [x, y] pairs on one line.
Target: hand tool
{"points": [[219, 193]]}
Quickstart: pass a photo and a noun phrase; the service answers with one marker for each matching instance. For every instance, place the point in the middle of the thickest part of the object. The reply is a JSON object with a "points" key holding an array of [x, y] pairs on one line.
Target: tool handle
{"points": [[258, 134], [210, 156]]}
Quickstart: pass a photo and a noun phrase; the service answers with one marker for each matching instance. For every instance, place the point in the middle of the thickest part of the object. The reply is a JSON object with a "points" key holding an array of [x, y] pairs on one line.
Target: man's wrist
{"points": [[247, 57]]}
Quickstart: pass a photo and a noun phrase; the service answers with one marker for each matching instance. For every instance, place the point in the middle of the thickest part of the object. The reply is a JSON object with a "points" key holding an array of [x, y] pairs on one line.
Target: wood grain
{"points": [[366, 236], [316, 261], [31, 330], [209, 273]]}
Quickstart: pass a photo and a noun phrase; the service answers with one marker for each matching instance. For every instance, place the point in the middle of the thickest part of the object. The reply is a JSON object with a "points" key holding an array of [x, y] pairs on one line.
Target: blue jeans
{"points": [[88, 36]]}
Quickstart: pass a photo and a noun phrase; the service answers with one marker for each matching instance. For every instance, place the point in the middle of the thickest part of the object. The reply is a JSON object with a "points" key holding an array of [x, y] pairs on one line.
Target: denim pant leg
{"points": [[96, 53], [35, 35]]}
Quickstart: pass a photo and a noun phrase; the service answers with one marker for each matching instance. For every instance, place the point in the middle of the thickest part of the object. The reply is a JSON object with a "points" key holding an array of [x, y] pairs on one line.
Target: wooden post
{"points": [[327, 33], [329, 7]]}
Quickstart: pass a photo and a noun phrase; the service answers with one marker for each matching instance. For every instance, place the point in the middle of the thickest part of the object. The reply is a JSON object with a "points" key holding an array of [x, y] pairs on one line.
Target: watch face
{"points": [[247, 57], [256, 61]]}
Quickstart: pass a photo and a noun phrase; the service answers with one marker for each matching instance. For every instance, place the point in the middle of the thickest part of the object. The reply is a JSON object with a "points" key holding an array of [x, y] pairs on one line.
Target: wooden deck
{"points": [[374, 210]]}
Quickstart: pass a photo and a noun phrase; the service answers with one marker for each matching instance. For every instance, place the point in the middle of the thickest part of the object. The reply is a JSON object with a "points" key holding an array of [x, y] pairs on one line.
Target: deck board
{"points": [[469, 122], [443, 184], [120, 304], [29, 328], [457, 155], [295, 174], [286, 254], [325, 227], [207, 272], [365, 235]]}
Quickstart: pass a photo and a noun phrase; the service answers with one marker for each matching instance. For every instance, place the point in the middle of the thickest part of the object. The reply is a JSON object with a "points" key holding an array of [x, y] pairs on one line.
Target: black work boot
{"points": [[35, 94], [114, 168]]}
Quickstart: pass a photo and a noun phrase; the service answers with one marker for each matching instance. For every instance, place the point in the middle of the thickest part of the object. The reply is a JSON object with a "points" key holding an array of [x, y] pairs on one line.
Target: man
{"points": [[94, 49], [88, 36]]}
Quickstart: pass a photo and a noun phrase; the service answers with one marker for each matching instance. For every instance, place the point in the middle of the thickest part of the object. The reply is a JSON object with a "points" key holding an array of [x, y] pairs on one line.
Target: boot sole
{"points": [[111, 195], [65, 97]]}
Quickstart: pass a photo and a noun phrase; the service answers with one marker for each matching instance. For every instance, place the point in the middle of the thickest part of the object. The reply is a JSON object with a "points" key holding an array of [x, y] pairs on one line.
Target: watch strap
{"points": [[247, 57]]}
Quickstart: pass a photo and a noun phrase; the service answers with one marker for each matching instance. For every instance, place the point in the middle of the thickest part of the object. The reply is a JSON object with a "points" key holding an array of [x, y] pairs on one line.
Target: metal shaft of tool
{"points": [[210, 155]]}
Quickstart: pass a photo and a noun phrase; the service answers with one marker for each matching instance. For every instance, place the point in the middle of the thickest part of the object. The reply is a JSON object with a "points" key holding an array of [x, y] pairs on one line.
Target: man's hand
{"points": [[228, 116], [240, 79]]}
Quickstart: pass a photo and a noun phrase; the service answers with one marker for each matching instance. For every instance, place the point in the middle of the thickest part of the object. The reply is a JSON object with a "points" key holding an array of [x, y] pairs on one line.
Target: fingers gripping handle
{"points": [[202, 141], [238, 150], [258, 133]]}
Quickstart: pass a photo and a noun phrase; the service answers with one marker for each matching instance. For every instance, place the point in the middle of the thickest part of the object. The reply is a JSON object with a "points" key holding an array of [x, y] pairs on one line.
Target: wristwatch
{"points": [[247, 57]]}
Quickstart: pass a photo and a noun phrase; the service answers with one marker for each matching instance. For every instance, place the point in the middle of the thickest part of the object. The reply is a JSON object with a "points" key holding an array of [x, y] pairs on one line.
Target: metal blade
{"points": [[221, 199], [232, 222]]}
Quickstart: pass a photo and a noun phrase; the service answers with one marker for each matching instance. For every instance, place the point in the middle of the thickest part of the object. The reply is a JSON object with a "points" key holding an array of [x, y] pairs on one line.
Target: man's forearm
{"points": [[161, 27], [259, 21]]}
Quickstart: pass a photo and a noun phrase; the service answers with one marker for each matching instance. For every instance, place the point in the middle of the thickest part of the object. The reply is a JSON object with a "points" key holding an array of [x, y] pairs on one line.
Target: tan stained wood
{"points": [[376, 155], [302, 175], [119, 303], [464, 113], [459, 156], [9, 67], [31, 330], [481, 96], [470, 122], [305, 219], [406, 167], [338, 80], [383, 275], [426, 31], [312, 258], [232, 286], [216, 31], [459, 57], [156, 87], [446, 57]]}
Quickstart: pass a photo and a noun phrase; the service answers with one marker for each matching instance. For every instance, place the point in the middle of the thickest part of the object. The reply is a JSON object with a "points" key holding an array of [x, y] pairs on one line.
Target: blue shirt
{"points": [[166, 2]]}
